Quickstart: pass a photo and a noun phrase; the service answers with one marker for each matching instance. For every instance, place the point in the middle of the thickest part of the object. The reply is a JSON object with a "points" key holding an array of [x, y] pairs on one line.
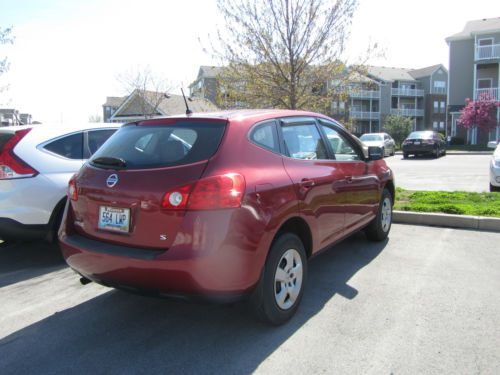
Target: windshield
{"points": [[371, 137], [142, 146]]}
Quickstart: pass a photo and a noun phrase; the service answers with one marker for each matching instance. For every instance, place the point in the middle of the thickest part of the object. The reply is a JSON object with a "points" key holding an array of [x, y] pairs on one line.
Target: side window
{"points": [[264, 135], [70, 147], [342, 147], [97, 137], [303, 141]]}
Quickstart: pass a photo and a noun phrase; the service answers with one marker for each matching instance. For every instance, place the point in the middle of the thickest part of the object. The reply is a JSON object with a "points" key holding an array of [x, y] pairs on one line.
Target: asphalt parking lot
{"points": [[448, 173], [425, 301]]}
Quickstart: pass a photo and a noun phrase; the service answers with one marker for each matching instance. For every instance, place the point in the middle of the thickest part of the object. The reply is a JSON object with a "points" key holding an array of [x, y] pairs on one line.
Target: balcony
{"points": [[487, 52], [365, 94], [407, 92], [485, 94], [439, 90], [407, 112], [364, 115]]}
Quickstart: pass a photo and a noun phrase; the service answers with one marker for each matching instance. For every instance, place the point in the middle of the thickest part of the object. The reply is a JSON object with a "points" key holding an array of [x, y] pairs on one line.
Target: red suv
{"points": [[223, 205]]}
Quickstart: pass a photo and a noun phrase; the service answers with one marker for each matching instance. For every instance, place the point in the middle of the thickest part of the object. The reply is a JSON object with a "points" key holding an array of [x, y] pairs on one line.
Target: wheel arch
{"points": [[299, 227], [389, 185]]}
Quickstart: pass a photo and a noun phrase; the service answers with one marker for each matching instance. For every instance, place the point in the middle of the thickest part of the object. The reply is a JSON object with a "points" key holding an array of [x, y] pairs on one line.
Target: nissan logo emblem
{"points": [[112, 180]]}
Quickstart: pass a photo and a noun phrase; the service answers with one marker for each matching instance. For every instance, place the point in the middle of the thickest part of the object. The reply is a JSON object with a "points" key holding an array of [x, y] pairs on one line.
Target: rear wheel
{"points": [[277, 296], [494, 188], [379, 228], [437, 152], [405, 155]]}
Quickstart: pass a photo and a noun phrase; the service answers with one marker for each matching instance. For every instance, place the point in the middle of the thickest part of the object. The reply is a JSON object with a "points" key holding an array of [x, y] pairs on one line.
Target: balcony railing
{"points": [[488, 52], [487, 94], [368, 94], [407, 112], [439, 90], [364, 115], [407, 92]]}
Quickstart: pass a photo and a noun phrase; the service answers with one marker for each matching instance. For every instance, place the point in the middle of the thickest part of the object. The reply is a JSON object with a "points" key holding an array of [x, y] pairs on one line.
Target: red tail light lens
{"points": [[72, 189], [428, 141], [11, 166], [211, 193]]}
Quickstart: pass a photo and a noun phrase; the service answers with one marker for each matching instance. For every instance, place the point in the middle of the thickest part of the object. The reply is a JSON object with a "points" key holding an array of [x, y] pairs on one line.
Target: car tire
{"points": [[393, 151], [379, 228], [494, 189], [55, 221], [436, 153], [279, 291], [383, 152], [405, 155]]}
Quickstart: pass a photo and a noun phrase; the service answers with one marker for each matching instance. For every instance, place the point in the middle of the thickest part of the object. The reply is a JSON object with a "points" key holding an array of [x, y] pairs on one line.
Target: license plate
{"points": [[114, 219], [416, 143]]}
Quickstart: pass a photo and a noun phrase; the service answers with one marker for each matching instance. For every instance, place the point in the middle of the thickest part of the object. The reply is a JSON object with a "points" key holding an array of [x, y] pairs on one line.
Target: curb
{"points": [[452, 153], [490, 224]]}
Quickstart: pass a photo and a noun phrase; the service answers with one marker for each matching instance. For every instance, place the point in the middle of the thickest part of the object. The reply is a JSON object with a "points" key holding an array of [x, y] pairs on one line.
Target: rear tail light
{"points": [[406, 141], [211, 193], [11, 166], [428, 141], [72, 189]]}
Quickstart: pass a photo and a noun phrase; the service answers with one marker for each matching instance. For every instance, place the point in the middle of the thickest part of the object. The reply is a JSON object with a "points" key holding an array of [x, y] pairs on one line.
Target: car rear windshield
{"points": [[153, 146], [371, 137], [420, 135], [4, 138]]}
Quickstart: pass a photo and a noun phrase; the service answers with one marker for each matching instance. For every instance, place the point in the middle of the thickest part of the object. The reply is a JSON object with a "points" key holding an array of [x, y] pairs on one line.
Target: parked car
{"points": [[236, 213], [382, 140], [36, 163], [495, 167], [425, 142]]}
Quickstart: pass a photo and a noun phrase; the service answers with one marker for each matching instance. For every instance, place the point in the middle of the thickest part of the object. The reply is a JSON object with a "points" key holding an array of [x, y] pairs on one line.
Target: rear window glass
{"points": [[70, 147], [420, 135], [143, 146], [4, 138]]}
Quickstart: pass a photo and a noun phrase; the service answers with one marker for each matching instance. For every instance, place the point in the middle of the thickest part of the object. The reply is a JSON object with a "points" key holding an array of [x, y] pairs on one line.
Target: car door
{"points": [[359, 186], [317, 179]]}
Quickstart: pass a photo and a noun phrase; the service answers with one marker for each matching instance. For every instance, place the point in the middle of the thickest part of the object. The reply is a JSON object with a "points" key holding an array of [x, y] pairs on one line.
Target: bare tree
{"points": [[95, 118], [149, 87], [283, 53], [5, 38]]}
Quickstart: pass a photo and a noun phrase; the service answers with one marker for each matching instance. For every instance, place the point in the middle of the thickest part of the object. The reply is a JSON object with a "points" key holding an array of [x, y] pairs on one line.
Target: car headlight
{"points": [[496, 162]]}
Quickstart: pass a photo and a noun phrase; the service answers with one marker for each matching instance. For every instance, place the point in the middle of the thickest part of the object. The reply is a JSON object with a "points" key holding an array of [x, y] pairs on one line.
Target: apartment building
{"points": [[474, 73], [416, 93], [381, 91]]}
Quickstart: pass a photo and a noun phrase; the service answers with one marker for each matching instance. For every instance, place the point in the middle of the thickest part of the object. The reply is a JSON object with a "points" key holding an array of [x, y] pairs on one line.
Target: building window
{"points": [[442, 107], [435, 125], [342, 106], [439, 87], [441, 125], [436, 106]]}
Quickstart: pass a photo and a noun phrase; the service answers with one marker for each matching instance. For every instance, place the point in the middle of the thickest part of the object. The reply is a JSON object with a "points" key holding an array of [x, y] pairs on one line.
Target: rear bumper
{"points": [[13, 230], [422, 149], [226, 267]]}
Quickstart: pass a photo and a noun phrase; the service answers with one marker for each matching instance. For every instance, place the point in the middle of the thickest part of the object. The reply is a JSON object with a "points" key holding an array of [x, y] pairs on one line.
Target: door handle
{"points": [[307, 183]]}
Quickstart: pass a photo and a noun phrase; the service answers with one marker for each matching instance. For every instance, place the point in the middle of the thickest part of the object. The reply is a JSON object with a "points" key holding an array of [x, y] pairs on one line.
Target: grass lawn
{"points": [[457, 202]]}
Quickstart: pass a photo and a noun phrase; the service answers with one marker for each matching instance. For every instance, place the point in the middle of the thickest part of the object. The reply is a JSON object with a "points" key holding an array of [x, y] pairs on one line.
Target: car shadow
{"points": [[24, 260], [118, 332]]}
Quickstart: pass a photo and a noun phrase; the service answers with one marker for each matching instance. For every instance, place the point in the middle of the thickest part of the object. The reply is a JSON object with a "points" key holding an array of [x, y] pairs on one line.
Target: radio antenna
{"points": [[188, 111]]}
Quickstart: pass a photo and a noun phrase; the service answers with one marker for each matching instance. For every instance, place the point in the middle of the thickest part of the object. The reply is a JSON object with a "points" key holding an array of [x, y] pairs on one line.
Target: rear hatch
{"points": [[121, 191]]}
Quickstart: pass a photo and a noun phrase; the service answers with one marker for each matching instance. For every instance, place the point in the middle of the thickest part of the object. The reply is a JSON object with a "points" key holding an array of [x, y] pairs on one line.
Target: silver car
{"points": [[382, 140]]}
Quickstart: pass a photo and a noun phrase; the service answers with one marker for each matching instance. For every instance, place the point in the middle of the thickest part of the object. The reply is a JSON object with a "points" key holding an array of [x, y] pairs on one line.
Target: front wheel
{"points": [[494, 188], [379, 228], [277, 296]]}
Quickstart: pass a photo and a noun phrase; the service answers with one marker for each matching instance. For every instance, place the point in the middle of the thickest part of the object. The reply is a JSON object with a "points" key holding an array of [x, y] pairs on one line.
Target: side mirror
{"points": [[375, 153]]}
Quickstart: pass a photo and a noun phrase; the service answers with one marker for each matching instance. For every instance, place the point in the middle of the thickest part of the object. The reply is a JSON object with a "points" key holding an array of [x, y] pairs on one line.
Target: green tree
{"points": [[398, 127], [283, 53]]}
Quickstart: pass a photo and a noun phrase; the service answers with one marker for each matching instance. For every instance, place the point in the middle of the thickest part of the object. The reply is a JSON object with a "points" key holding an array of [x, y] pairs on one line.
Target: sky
{"points": [[68, 54]]}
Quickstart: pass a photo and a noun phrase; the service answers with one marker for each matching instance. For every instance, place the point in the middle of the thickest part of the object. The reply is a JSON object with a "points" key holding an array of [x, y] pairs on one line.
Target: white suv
{"points": [[36, 163]]}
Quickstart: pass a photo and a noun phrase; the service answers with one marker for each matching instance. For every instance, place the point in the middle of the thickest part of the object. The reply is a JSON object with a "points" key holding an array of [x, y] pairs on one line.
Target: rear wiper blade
{"points": [[110, 161]]}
